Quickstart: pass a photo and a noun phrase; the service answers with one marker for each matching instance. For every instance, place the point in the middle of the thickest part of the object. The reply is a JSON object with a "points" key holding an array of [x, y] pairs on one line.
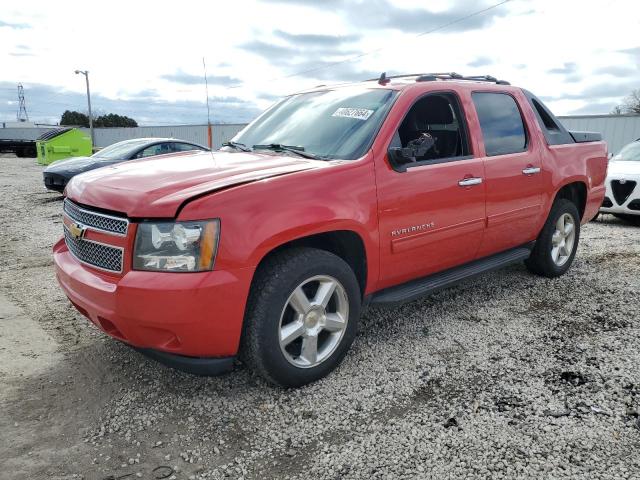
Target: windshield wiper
{"points": [[237, 145], [288, 148]]}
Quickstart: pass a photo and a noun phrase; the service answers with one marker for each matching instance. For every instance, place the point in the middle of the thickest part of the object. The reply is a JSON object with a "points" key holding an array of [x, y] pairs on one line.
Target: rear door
{"points": [[431, 212], [513, 172]]}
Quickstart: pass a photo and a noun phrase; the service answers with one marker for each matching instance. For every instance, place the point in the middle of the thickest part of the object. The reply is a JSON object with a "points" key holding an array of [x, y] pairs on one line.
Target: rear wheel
{"points": [[556, 246], [301, 317]]}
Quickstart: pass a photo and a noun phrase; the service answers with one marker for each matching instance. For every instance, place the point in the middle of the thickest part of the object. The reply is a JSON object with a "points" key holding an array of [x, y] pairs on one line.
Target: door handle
{"points": [[469, 182], [531, 170]]}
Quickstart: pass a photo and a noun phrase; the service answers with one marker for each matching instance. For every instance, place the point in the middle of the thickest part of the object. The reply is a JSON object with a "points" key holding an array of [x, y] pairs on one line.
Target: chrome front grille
{"points": [[95, 254], [95, 220]]}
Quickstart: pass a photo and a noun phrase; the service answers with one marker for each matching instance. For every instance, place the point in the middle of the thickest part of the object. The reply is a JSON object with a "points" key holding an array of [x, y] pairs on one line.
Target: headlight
{"points": [[176, 246]]}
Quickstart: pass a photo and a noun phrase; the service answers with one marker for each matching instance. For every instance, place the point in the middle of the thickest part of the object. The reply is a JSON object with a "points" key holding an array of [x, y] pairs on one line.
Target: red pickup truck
{"points": [[335, 198]]}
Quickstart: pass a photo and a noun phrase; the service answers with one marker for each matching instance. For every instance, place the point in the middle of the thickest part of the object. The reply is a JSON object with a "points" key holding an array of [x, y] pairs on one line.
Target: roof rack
{"points": [[432, 77]]}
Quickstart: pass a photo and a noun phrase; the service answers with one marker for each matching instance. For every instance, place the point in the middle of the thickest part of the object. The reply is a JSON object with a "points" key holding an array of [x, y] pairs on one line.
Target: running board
{"points": [[417, 288]]}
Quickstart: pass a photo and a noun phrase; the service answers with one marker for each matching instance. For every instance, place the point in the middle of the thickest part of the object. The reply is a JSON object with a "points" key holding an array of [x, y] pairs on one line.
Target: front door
{"points": [[431, 211], [513, 173]]}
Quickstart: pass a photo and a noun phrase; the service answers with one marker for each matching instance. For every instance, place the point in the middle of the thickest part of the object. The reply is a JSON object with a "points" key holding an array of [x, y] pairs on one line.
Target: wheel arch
{"points": [[576, 192], [345, 244]]}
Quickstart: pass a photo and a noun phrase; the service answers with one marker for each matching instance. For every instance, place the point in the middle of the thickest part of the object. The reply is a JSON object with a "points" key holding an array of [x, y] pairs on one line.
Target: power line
{"points": [[370, 52]]}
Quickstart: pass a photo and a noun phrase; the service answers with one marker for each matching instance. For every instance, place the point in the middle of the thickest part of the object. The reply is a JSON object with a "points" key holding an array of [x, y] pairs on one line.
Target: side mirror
{"points": [[400, 156], [415, 148]]}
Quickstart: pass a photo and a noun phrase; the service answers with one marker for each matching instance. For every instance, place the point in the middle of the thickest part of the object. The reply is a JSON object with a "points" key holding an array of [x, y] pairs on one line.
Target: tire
{"points": [[545, 260], [632, 219], [276, 310]]}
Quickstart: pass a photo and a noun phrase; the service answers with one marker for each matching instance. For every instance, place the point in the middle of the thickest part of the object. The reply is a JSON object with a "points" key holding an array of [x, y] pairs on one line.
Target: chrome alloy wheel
{"points": [[313, 321], [563, 239]]}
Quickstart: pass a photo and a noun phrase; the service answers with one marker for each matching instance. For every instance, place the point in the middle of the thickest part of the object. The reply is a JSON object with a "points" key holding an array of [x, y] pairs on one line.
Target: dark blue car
{"points": [[57, 175]]}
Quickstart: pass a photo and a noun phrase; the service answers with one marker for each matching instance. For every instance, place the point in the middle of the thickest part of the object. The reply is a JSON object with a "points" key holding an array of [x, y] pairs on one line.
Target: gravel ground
{"points": [[510, 376]]}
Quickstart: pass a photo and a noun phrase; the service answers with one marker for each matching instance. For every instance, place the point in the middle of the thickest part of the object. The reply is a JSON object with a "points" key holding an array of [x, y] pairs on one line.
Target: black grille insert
{"points": [[622, 189], [607, 203]]}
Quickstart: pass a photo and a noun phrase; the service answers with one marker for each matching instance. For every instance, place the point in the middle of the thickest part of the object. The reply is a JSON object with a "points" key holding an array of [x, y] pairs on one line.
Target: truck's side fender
{"points": [[257, 218]]}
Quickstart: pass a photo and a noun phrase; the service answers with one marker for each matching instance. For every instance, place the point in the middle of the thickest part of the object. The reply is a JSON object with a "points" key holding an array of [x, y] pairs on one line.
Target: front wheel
{"points": [[557, 243], [302, 316]]}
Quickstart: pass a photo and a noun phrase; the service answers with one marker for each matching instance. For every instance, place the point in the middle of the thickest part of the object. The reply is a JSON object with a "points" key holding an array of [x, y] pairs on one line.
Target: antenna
{"points": [[22, 115], [206, 87]]}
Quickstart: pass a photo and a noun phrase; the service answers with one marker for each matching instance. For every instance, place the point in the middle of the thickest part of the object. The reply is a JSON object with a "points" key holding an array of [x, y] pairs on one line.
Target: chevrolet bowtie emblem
{"points": [[76, 230]]}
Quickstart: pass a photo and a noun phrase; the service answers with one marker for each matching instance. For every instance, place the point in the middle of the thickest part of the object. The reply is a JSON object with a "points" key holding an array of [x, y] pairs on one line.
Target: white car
{"points": [[623, 184]]}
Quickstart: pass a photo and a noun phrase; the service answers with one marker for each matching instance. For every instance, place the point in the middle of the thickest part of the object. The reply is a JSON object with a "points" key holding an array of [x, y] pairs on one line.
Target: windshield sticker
{"points": [[357, 113]]}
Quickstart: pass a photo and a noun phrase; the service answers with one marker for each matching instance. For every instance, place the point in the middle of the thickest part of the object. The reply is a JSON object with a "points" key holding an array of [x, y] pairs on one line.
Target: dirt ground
{"points": [[507, 376]]}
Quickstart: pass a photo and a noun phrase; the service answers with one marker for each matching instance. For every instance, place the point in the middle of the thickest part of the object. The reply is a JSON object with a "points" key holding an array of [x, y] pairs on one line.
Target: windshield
{"points": [[120, 150], [630, 153], [330, 124]]}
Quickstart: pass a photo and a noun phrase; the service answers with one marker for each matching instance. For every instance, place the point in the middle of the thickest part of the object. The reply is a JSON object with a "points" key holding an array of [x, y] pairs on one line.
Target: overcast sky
{"points": [[145, 58]]}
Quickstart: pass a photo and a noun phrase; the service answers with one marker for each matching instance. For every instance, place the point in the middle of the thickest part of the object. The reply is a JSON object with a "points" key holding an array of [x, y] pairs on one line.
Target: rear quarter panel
{"points": [[260, 216], [577, 162]]}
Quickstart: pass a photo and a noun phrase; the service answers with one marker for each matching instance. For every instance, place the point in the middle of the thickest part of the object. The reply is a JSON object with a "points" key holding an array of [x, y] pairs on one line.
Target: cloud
{"points": [[15, 26], [299, 46], [310, 55], [594, 108], [342, 72], [617, 70], [268, 96], [315, 40], [45, 104], [272, 52], [307, 62], [383, 14], [318, 56], [295, 61], [480, 62], [23, 51], [598, 92], [635, 51], [566, 69], [189, 79]]}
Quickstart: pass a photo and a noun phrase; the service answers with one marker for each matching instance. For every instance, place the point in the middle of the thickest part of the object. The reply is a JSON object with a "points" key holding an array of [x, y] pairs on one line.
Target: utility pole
{"points": [[206, 86], [86, 77], [22, 115]]}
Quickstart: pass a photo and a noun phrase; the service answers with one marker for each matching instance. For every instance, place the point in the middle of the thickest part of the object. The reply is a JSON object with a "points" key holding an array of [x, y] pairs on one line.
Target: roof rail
{"points": [[431, 77]]}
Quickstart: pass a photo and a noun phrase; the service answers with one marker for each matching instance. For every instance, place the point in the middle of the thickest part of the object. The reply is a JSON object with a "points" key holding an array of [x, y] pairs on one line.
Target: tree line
{"points": [[631, 104], [79, 119]]}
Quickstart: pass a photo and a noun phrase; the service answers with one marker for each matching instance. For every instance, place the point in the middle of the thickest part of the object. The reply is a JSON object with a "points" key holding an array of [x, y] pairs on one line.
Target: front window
{"points": [[332, 124], [630, 153]]}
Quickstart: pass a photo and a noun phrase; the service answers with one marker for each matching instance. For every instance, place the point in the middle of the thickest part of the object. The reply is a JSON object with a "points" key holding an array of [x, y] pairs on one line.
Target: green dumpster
{"points": [[62, 143]]}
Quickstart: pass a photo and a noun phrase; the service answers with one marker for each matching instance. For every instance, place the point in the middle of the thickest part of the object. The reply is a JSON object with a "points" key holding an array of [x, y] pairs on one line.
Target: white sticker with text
{"points": [[357, 113]]}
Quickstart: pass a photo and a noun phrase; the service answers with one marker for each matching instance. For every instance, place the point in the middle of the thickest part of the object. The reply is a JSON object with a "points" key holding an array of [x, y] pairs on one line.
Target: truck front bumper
{"points": [[180, 319]]}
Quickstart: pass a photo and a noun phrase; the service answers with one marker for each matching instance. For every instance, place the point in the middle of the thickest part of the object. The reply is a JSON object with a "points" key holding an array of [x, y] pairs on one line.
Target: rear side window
{"points": [[547, 122], [501, 123], [184, 147]]}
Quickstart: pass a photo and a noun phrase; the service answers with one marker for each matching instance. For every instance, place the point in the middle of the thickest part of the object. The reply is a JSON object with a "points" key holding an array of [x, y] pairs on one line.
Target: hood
{"points": [[624, 167], [156, 187], [77, 165]]}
